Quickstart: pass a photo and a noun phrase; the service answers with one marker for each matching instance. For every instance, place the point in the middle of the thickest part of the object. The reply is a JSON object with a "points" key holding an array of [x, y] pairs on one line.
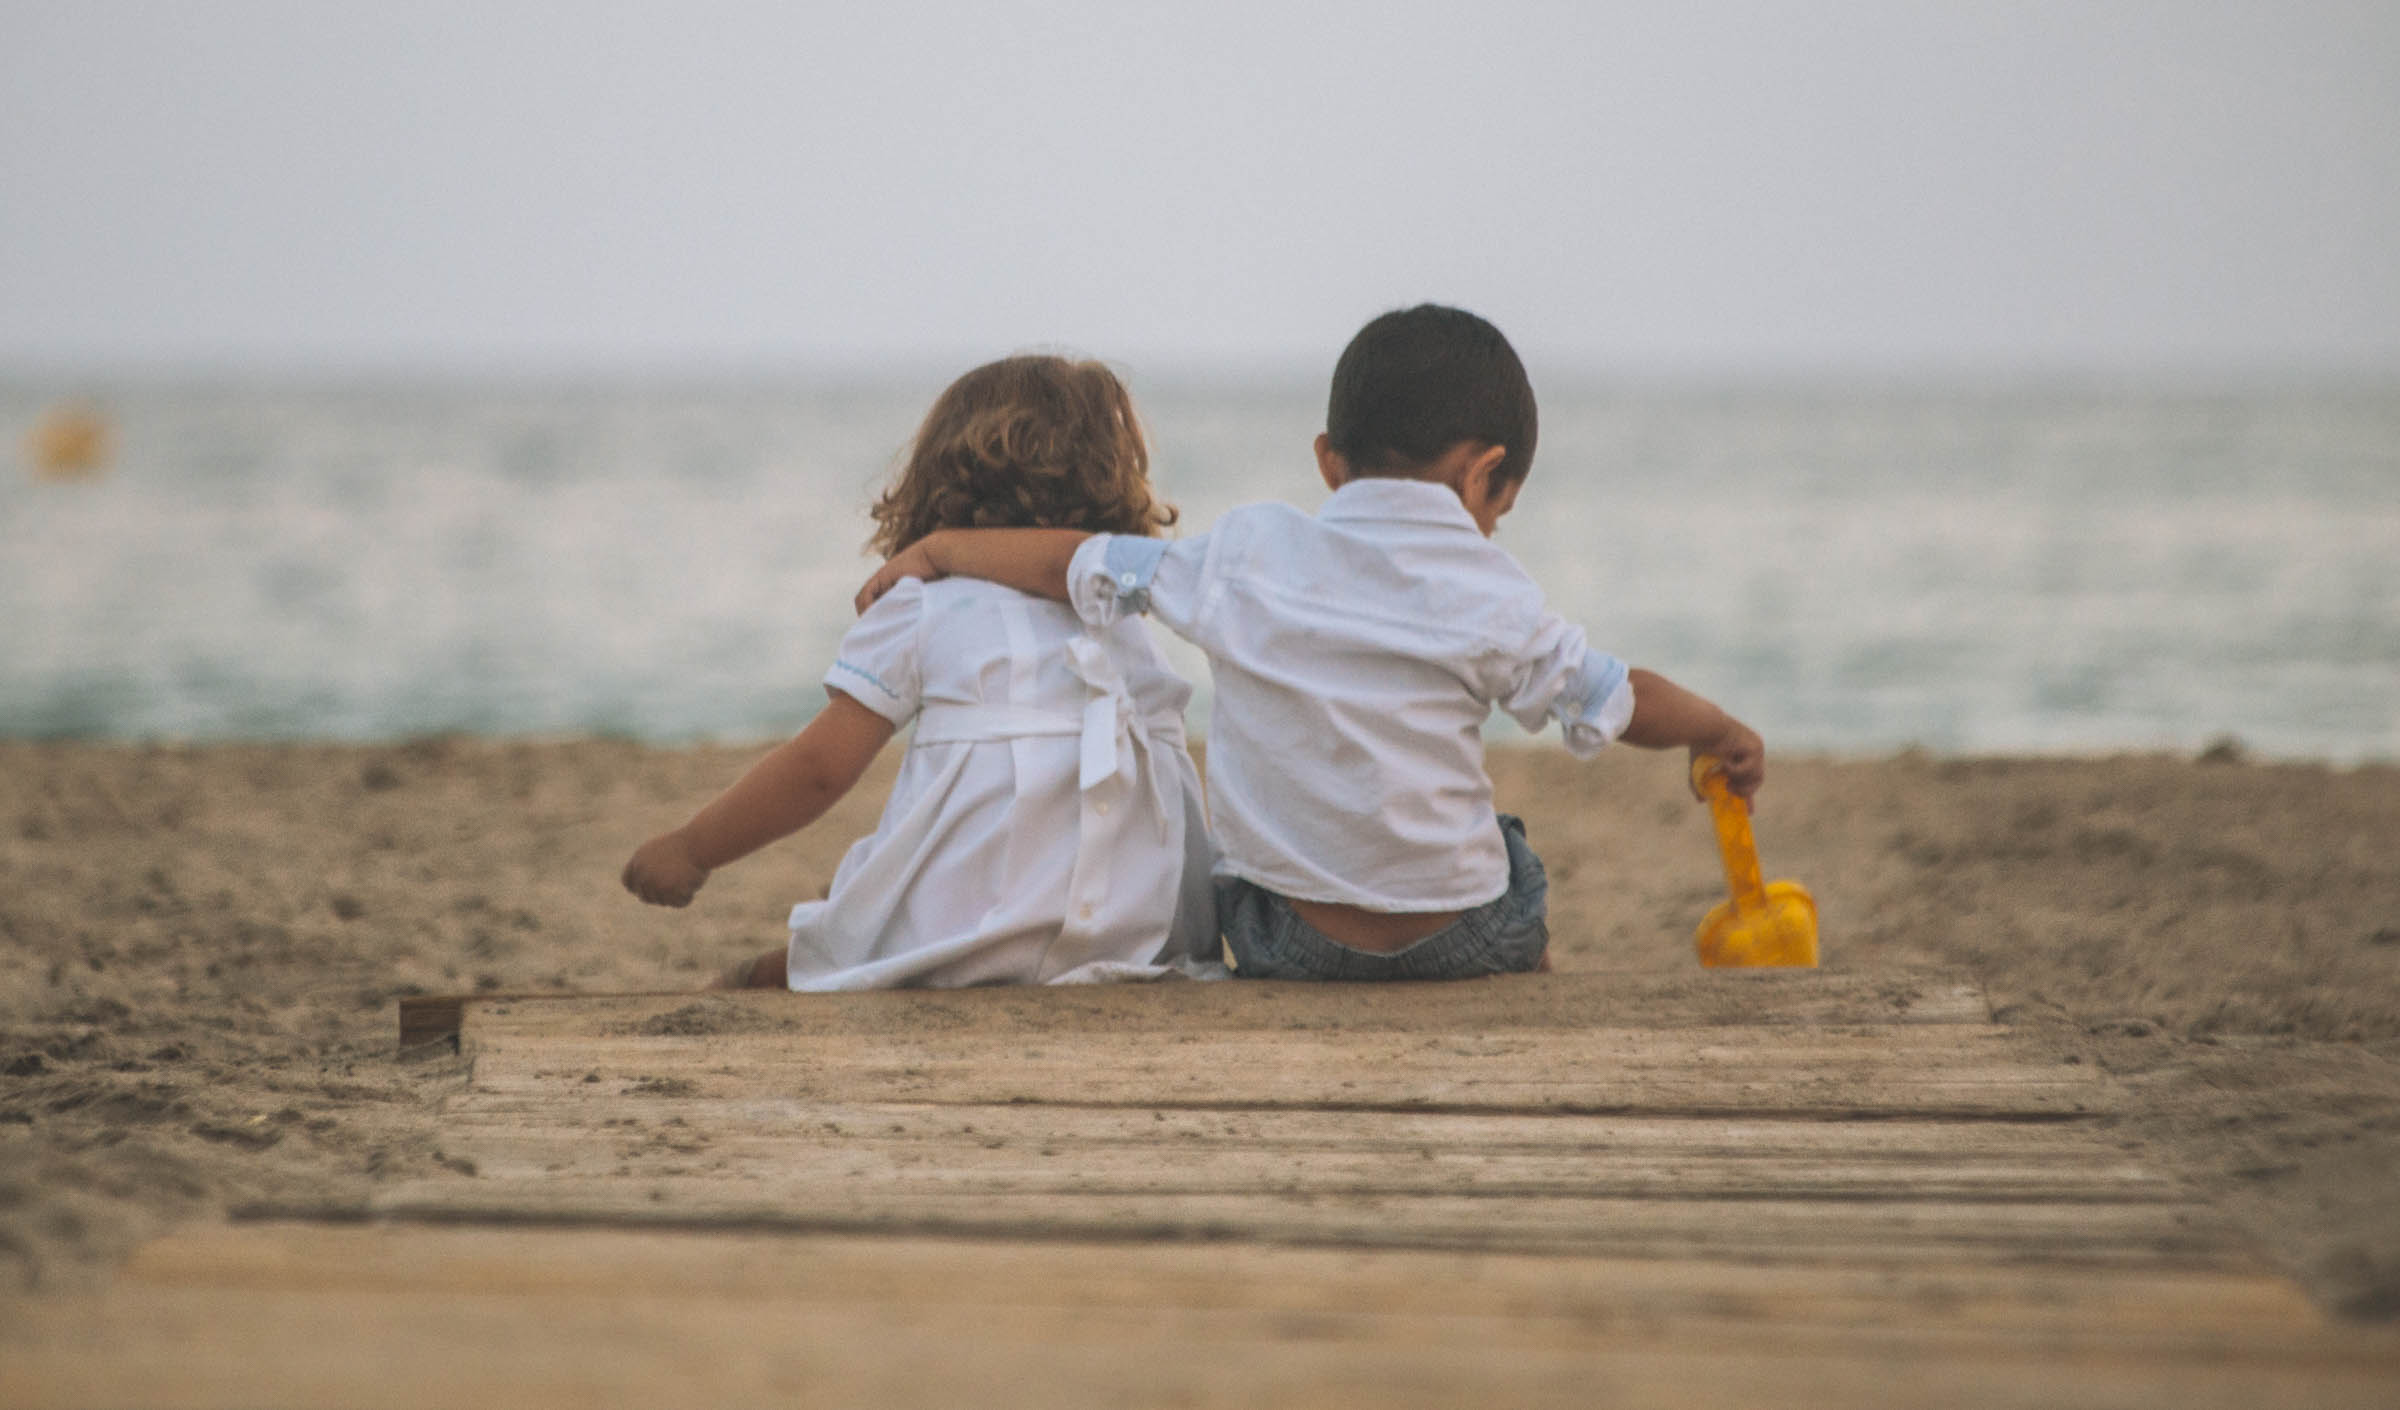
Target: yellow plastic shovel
{"points": [[1766, 923]]}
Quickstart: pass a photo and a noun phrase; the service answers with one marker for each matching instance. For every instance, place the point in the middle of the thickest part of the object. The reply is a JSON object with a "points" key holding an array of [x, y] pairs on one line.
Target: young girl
{"points": [[1046, 826]]}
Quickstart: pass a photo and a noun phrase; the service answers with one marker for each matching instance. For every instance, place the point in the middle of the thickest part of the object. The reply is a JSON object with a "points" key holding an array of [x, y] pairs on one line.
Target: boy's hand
{"points": [[915, 561], [1741, 756], [663, 873]]}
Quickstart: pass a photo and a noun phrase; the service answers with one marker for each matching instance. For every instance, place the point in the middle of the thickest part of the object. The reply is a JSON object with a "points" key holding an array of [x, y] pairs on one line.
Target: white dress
{"points": [[1046, 825]]}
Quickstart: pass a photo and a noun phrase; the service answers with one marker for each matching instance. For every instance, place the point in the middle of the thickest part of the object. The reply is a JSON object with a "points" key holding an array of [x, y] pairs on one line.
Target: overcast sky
{"points": [[1636, 188]]}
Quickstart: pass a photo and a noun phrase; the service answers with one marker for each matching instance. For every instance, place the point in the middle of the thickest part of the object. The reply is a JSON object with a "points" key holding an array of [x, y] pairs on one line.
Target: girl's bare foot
{"points": [[764, 972]]}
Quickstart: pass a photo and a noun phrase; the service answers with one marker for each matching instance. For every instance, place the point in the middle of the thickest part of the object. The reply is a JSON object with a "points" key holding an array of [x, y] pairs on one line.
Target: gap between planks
{"points": [[1586, 1000], [1790, 1229], [1849, 1071]]}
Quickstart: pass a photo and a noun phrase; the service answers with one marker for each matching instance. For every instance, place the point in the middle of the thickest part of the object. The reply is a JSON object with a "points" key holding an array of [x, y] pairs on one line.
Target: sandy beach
{"points": [[201, 949]]}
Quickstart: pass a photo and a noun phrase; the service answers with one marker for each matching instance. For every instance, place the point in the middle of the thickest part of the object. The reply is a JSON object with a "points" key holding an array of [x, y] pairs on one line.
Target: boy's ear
{"points": [[1332, 465], [1475, 483], [1486, 496]]}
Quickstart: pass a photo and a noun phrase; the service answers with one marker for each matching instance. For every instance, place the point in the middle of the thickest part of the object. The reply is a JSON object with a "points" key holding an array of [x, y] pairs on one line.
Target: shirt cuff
{"points": [[1597, 706], [1110, 576]]}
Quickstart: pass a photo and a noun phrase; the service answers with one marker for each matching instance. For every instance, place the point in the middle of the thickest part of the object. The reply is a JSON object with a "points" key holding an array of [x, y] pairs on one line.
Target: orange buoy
{"points": [[70, 443]]}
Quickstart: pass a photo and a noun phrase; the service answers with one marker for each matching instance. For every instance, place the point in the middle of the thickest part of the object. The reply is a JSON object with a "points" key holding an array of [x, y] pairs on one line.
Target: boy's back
{"points": [[1356, 655]]}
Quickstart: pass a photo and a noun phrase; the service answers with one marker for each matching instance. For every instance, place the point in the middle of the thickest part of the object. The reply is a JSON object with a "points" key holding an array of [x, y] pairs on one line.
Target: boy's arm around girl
{"points": [[1036, 561]]}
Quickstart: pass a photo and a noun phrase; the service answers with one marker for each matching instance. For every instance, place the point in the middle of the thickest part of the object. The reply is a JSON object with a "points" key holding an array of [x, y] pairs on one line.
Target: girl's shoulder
{"points": [[969, 619], [975, 597]]}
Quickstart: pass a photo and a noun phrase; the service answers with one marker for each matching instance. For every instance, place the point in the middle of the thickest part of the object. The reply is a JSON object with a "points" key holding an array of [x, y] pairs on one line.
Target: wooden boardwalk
{"points": [[1679, 1190]]}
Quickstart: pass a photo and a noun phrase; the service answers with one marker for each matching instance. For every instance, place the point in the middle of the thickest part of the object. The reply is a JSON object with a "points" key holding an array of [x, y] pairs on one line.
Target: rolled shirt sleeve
{"points": [[879, 664], [1560, 676], [1596, 709], [1113, 575]]}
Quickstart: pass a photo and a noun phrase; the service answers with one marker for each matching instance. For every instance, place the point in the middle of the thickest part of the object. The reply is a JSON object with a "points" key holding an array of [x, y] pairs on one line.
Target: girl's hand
{"points": [[663, 873], [915, 561], [1741, 756]]}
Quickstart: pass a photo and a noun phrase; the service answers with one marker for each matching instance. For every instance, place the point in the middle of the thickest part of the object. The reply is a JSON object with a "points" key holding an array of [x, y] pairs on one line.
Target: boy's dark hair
{"points": [[1417, 381]]}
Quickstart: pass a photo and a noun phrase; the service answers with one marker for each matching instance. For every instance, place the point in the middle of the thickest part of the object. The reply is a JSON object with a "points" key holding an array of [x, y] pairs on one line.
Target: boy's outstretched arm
{"points": [[1033, 561], [781, 794], [1666, 716]]}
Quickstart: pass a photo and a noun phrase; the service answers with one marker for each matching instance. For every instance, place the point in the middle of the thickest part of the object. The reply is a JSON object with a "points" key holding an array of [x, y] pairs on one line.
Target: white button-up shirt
{"points": [[1357, 654], [1046, 825]]}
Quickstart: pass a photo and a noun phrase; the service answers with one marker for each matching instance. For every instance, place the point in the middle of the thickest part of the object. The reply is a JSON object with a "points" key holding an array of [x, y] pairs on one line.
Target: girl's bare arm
{"points": [[781, 794]]}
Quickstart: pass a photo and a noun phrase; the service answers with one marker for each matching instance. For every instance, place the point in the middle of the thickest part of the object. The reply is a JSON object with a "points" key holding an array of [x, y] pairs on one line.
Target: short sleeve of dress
{"points": [[879, 664]]}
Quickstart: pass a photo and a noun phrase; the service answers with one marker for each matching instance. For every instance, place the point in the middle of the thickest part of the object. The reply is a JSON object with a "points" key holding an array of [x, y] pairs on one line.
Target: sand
{"points": [[201, 949]]}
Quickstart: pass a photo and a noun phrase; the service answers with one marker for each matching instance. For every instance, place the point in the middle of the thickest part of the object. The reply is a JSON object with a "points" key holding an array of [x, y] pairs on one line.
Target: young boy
{"points": [[1356, 654]]}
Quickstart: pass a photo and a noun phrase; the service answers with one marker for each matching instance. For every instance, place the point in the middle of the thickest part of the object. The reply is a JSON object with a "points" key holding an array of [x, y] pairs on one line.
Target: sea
{"points": [[2054, 568]]}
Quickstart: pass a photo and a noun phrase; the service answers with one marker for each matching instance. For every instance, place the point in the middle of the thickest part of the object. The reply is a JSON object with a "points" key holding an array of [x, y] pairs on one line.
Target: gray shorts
{"points": [[1507, 935]]}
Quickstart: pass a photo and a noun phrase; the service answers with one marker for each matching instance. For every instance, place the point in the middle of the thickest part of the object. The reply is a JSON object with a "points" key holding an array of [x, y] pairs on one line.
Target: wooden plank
{"points": [[408, 1317], [1665, 1190], [1376, 1130], [1646, 1296], [602, 1113], [186, 1351], [537, 1137], [1929, 1070], [1674, 999], [984, 1160], [1868, 1231], [1792, 1050]]}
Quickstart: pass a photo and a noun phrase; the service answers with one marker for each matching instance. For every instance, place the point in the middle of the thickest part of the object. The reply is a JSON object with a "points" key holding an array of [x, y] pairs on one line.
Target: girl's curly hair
{"points": [[1025, 442]]}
